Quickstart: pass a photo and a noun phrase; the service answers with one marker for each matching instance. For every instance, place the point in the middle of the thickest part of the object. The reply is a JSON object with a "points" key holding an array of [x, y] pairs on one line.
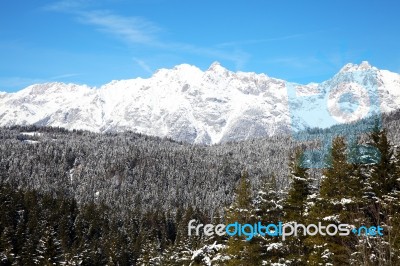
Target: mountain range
{"points": [[205, 107]]}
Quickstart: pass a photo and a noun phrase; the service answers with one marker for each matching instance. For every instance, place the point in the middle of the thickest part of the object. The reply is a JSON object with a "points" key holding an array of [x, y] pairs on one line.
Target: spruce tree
{"points": [[338, 202], [180, 253], [296, 208], [240, 250], [7, 254], [382, 197], [49, 249], [383, 172], [301, 187], [268, 210]]}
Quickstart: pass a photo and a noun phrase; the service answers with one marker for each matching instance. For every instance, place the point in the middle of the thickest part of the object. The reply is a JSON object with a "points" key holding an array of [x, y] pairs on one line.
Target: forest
{"points": [[81, 198]]}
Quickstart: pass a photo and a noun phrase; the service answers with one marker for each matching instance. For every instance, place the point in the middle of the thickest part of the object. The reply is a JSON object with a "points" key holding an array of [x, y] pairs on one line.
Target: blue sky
{"points": [[94, 42]]}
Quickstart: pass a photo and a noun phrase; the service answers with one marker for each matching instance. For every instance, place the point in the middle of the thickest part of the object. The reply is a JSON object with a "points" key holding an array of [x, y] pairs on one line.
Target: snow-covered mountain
{"points": [[188, 104]]}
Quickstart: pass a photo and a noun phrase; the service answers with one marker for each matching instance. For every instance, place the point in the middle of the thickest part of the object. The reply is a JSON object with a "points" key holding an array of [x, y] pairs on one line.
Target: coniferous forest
{"points": [[81, 198]]}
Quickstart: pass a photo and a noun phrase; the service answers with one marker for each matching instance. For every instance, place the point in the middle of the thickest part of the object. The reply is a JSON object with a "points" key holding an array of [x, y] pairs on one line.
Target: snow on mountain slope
{"points": [[185, 103]]}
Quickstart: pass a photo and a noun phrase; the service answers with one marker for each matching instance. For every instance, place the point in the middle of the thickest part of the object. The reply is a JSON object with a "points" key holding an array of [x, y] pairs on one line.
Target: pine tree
{"points": [[382, 198], [268, 210], [7, 254], [338, 202], [296, 208], [301, 187], [394, 236], [49, 249], [150, 254], [240, 250], [182, 250], [383, 178]]}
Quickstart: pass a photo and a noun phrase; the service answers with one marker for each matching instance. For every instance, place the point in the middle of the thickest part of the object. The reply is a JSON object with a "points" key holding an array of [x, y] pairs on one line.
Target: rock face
{"points": [[187, 104]]}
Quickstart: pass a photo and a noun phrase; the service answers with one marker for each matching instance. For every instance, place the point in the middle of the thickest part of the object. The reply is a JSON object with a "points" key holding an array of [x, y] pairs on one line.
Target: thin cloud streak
{"points": [[137, 30], [272, 39], [131, 29], [143, 65], [66, 5], [258, 41], [140, 31]]}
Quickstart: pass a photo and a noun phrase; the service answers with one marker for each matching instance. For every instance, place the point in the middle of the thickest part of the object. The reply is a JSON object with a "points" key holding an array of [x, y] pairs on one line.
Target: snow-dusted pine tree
{"points": [[240, 250], [340, 193], [296, 208]]}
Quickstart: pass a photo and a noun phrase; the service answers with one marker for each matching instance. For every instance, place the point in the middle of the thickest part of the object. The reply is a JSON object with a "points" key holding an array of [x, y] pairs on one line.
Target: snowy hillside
{"points": [[188, 104]]}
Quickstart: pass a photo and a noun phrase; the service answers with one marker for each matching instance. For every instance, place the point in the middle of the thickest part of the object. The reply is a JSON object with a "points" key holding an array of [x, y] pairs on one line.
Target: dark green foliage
{"points": [[301, 187], [40, 229], [268, 210], [383, 173], [296, 209], [241, 251], [125, 199], [337, 203]]}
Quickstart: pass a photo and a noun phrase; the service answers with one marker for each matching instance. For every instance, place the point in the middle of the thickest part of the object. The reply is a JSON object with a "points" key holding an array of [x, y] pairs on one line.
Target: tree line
{"points": [[47, 227]]}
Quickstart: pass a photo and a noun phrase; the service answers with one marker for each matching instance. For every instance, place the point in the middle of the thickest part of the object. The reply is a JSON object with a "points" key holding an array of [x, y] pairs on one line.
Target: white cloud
{"points": [[63, 76], [130, 29], [139, 30], [143, 65], [66, 5], [257, 41]]}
